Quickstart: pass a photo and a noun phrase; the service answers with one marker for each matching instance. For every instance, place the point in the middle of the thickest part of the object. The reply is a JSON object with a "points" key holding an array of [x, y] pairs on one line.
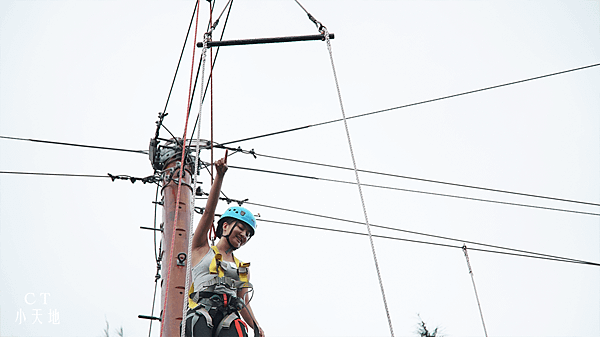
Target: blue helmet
{"points": [[238, 213]]}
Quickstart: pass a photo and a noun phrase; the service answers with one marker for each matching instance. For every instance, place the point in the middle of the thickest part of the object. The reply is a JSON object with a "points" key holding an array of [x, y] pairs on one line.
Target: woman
{"points": [[220, 280]]}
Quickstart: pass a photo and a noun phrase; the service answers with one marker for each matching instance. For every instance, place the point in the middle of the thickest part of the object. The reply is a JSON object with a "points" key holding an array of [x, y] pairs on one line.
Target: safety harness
{"points": [[203, 301]]}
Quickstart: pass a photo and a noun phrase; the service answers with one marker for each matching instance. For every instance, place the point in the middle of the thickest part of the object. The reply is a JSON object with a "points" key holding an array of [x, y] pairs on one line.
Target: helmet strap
{"points": [[231, 247]]}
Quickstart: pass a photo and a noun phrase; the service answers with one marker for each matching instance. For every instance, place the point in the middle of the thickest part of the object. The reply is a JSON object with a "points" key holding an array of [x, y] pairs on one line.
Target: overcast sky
{"points": [[98, 73]]}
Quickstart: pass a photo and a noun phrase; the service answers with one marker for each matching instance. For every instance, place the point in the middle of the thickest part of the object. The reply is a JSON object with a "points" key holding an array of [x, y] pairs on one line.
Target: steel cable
{"points": [[432, 243], [411, 104], [414, 191], [417, 233], [362, 199]]}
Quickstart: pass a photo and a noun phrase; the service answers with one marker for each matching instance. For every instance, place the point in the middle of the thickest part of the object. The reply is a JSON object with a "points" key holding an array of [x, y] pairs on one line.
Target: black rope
{"points": [[413, 104], [180, 57], [216, 22], [77, 145], [413, 191], [433, 243]]}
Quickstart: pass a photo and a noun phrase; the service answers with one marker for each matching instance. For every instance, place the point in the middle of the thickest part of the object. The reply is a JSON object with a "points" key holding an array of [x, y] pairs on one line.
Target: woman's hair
{"points": [[229, 220]]}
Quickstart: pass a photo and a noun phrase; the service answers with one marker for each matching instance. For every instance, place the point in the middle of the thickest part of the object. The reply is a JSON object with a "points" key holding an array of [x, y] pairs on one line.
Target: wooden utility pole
{"points": [[172, 315]]}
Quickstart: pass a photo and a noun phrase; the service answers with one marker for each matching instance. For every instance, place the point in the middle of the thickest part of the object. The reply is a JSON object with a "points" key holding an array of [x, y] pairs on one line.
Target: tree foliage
{"points": [[107, 330], [423, 331]]}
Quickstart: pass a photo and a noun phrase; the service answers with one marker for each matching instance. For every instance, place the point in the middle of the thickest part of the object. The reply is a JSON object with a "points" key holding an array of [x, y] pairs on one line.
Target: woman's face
{"points": [[239, 233]]}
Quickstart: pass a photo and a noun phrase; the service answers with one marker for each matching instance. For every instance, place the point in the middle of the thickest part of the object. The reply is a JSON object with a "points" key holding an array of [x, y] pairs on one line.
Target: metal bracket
{"points": [[150, 317], [264, 40]]}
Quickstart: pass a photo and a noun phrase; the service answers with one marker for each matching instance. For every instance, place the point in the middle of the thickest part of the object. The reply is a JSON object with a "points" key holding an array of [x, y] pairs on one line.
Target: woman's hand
{"points": [[221, 165]]}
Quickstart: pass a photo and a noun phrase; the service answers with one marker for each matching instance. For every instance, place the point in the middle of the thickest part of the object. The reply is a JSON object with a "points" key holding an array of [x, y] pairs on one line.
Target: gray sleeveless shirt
{"points": [[201, 274]]}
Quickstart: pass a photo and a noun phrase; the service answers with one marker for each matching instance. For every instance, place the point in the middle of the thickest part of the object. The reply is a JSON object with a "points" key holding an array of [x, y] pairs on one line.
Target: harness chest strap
{"points": [[216, 268]]}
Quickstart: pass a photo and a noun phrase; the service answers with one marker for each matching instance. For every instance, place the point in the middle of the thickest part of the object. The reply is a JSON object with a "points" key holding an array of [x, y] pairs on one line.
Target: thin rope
{"points": [[464, 248], [181, 170], [188, 270], [362, 200]]}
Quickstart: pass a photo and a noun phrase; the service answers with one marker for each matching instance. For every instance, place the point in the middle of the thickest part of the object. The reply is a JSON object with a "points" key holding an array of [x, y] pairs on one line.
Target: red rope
{"points": [[212, 160], [182, 168]]}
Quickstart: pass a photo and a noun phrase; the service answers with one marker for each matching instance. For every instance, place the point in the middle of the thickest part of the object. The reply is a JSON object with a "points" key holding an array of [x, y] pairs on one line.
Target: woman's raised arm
{"points": [[200, 235]]}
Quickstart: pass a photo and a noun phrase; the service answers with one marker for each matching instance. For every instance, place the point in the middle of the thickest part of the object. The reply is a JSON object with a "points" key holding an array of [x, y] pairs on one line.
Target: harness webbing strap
{"points": [[226, 322], [215, 265], [220, 279], [194, 315]]}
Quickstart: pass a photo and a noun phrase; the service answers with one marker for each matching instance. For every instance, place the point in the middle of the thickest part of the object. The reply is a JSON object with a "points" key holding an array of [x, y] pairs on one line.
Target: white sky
{"points": [[98, 72]]}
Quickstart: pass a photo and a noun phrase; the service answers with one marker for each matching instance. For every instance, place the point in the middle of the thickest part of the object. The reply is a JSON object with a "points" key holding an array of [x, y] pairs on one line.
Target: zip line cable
{"points": [[322, 179], [413, 191], [464, 248], [422, 179], [55, 174], [411, 104], [324, 165], [180, 58], [164, 112], [73, 144], [431, 243], [176, 72], [415, 233], [517, 252], [204, 165]]}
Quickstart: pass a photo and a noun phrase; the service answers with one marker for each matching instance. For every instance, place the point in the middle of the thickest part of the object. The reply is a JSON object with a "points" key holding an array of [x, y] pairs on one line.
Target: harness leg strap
{"points": [[226, 322], [200, 311]]}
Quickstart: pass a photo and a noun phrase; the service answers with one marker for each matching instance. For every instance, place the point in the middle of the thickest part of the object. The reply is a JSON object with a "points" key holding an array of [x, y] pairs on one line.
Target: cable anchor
{"points": [[181, 257]]}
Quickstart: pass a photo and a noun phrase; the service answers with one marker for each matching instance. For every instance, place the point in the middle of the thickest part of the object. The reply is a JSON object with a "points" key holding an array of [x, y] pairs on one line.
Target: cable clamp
{"points": [[316, 22], [323, 30], [228, 200]]}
